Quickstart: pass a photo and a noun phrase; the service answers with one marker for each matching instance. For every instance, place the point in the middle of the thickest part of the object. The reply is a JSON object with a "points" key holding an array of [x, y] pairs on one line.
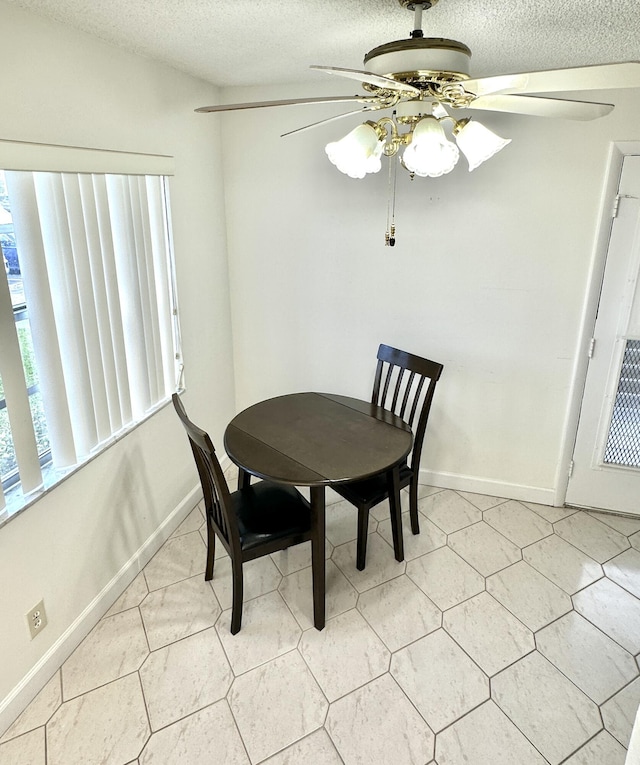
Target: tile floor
{"points": [[509, 636]]}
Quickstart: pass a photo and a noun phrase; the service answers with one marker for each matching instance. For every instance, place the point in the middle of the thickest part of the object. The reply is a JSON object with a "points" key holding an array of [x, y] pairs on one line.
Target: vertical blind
{"points": [[95, 257]]}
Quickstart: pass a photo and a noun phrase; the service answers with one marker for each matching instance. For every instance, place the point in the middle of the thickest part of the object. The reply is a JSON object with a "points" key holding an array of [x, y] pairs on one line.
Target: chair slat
{"points": [[387, 380], [398, 387], [416, 400], [407, 393]]}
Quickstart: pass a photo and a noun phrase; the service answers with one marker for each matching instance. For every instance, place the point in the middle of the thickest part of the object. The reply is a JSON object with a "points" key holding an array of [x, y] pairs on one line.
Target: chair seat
{"points": [[372, 490], [267, 512]]}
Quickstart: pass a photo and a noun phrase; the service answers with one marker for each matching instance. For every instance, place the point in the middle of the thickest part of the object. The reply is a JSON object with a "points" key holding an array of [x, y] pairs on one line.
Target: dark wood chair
{"points": [[251, 522], [404, 384]]}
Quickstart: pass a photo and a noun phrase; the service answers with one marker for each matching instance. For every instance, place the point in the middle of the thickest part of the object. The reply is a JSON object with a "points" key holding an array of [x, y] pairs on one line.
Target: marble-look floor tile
{"points": [[481, 501], [445, 577], [316, 749], [415, 545], [268, 630], [231, 475], [342, 523], [379, 721], [563, 564], [275, 705], [531, 691], [381, 565], [179, 558], [624, 570], [297, 591], [178, 611], [529, 596], [381, 512], [440, 679], [492, 636], [297, 557], [219, 549], [193, 521], [195, 738], [626, 525], [39, 710], [619, 713], [115, 647], [484, 548], [594, 538], [26, 749], [603, 749], [377, 724], [184, 677], [518, 523], [108, 725], [614, 610], [466, 741], [449, 511], [345, 655], [259, 577], [135, 593], [549, 513], [594, 662], [399, 612]]}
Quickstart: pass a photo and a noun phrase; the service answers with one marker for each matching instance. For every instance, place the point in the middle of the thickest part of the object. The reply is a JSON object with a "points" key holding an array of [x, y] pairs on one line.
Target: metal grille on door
{"points": [[623, 441]]}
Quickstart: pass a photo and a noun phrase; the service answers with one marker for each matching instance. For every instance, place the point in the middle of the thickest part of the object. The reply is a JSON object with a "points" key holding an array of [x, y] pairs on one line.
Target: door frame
{"points": [[618, 150]]}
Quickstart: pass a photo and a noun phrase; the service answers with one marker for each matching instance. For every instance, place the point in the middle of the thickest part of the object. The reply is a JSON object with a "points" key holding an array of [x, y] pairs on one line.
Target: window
{"points": [[88, 320]]}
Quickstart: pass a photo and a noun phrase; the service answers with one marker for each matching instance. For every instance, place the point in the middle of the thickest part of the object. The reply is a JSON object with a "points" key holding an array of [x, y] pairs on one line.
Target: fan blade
{"points": [[373, 79], [625, 74], [284, 102], [329, 119], [542, 107]]}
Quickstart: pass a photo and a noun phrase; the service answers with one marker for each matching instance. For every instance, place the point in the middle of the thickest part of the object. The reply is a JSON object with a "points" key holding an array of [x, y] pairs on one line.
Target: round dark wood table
{"points": [[316, 440]]}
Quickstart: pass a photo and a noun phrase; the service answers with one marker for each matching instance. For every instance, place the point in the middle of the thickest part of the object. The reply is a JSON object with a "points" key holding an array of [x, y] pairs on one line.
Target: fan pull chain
{"points": [[390, 235]]}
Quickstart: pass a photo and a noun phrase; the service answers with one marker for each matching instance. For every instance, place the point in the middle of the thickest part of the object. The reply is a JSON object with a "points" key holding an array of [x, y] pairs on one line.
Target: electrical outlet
{"points": [[36, 619]]}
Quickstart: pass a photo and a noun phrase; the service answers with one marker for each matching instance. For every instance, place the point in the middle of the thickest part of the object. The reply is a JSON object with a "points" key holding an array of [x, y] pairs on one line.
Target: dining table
{"points": [[317, 440]]}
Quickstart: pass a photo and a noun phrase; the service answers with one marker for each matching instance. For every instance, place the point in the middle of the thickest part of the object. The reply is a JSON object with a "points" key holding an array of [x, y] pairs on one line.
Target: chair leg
{"points": [[395, 512], [236, 608], [211, 550], [413, 504], [363, 530]]}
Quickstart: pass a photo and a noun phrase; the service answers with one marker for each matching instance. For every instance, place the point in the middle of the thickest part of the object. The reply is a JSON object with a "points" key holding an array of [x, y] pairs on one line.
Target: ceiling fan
{"points": [[421, 78], [432, 69]]}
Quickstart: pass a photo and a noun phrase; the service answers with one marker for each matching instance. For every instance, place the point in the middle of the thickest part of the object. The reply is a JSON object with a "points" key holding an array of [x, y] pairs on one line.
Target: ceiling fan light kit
{"points": [[421, 79]]}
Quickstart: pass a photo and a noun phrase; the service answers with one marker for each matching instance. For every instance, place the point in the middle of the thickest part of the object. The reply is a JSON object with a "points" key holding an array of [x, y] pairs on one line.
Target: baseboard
{"points": [[486, 486], [33, 682]]}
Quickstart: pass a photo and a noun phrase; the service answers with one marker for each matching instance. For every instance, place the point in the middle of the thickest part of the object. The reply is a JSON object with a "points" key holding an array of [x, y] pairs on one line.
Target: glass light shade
{"points": [[358, 153], [478, 143], [430, 153]]}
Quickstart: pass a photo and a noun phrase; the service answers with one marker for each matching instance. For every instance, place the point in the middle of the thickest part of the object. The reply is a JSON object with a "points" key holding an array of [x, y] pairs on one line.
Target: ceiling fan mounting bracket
{"points": [[411, 4]]}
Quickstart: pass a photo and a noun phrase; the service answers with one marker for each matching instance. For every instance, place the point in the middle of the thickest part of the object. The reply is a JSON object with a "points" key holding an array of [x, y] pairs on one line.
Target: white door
{"points": [[606, 458]]}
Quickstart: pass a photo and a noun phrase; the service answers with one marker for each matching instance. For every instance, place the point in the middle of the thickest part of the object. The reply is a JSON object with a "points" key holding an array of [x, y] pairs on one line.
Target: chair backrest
{"points": [[399, 386], [214, 485]]}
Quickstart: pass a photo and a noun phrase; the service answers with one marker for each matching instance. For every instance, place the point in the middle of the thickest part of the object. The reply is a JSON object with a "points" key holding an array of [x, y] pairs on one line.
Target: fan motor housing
{"points": [[420, 58]]}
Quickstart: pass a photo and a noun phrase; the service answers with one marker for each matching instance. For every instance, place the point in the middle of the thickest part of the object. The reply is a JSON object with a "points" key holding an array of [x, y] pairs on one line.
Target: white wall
{"points": [[489, 276], [62, 87]]}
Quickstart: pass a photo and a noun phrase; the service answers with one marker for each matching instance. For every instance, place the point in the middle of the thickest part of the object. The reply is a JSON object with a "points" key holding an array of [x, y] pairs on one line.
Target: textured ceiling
{"points": [[238, 42]]}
